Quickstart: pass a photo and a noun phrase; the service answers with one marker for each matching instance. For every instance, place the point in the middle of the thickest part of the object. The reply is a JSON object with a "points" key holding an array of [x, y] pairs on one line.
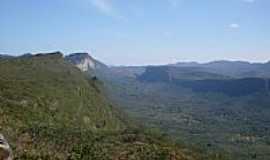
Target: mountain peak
{"points": [[82, 60], [85, 62]]}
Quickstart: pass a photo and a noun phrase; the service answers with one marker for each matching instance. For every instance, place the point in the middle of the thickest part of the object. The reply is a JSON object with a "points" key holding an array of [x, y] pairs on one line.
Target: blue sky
{"points": [[135, 32]]}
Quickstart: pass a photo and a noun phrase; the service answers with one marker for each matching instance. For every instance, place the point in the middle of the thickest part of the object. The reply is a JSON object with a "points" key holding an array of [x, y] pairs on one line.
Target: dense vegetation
{"points": [[170, 73], [200, 81], [226, 114], [50, 110], [234, 87]]}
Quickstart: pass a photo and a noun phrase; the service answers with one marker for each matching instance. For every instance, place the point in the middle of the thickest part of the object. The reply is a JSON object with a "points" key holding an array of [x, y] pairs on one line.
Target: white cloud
{"points": [[106, 7], [234, 26], [249, 1]]}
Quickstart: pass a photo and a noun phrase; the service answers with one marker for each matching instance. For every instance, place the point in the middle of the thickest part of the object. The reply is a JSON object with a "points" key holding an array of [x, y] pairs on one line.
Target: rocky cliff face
{"points": [[83, 61], [86, 63], [5, 150]]}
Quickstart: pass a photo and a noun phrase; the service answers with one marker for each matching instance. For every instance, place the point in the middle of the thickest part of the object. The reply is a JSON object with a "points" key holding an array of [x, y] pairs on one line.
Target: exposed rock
{"points": [[83, 61], [86, 63], [5, 150]]}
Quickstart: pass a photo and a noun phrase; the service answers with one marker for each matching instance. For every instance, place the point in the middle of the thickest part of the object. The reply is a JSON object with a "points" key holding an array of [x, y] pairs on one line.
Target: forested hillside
{"points": [[217, 112], [51, 110]]}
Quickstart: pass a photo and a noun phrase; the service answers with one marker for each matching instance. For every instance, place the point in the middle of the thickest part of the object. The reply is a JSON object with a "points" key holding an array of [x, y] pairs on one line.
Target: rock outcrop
{"points": [[83, 61], [5, 150]]}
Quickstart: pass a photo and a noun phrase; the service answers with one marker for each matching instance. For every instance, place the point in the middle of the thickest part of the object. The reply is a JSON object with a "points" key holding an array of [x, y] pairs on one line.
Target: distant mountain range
{"points": [[5, 56], [232, 68], [239, 76]]}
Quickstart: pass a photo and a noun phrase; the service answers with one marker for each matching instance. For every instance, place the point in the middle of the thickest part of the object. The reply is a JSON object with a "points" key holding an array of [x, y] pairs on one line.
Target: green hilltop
{"points": [[49, 110]]}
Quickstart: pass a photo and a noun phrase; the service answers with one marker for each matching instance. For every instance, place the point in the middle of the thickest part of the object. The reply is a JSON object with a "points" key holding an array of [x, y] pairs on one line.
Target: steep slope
{"points": [[58, 92], [50, 110], [86, 63]]}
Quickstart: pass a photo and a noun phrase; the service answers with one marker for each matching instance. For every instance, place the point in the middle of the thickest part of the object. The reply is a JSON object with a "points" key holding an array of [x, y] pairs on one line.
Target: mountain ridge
{"points": [[50, 109]]}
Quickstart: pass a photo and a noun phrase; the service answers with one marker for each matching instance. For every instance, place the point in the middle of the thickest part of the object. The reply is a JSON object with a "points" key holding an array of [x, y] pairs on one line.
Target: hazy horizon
{"points": [[146, 64], [139, 32]]}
